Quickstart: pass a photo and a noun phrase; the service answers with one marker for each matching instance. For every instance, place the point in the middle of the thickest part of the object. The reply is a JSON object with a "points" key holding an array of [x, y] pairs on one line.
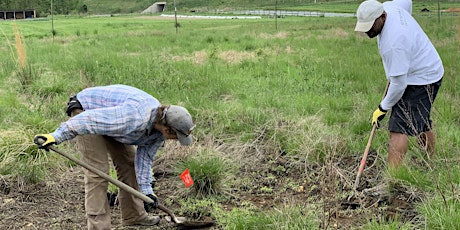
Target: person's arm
{"points": [[396, 62], [395, 91], [113, 121], [143, 165]]}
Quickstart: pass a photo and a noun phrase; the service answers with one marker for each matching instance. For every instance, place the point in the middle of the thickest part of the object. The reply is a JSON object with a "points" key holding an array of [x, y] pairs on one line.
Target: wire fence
{"points": [[282, 8]]}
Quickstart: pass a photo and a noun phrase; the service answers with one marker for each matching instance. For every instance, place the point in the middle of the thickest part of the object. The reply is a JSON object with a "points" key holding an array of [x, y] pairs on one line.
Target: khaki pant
{"points": [[93, 150]]}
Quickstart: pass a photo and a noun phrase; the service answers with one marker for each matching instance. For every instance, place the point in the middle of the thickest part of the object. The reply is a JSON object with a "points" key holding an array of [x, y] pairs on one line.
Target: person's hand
{"points": [[44, 141], [151, 206], [378, 115]]}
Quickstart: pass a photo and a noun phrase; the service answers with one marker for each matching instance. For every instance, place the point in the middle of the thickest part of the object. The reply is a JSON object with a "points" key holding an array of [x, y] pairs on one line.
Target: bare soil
{"points": [[59, 203]]}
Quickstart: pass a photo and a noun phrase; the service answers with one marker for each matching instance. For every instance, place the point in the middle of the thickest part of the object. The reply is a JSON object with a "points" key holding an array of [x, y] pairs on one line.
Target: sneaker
{"points": [[112, 198], [147, 221]]}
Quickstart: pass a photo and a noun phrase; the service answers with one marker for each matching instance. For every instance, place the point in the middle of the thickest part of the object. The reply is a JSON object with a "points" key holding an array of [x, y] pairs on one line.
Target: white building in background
{"points": [[157, 7]]}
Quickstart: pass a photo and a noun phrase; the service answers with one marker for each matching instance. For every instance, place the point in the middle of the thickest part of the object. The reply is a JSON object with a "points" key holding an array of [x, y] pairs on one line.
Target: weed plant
{"points": [[210, 172], [441, 212], [382, 224], [19, 158], [294, 217]]}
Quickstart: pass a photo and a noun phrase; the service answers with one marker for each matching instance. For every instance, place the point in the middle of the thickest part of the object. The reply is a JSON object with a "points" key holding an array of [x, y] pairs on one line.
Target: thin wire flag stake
{"points": [[175, 16]]}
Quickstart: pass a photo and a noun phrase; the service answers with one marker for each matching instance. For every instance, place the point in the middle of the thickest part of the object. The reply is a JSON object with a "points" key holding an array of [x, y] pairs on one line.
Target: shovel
{"points": [[178, 220]]}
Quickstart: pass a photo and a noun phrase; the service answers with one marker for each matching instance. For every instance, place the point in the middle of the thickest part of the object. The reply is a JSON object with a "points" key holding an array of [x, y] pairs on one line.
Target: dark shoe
{"points": [[146, 221], [112, 198]]}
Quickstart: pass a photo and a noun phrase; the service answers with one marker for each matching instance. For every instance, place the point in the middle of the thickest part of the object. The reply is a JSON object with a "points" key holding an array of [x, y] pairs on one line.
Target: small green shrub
{"points": [[292, 218], [209, 171], [197, 208]]}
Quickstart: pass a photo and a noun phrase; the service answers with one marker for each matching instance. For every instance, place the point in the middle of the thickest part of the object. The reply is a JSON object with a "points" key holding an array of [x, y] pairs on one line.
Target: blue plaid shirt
{"points": [[124, 113]]}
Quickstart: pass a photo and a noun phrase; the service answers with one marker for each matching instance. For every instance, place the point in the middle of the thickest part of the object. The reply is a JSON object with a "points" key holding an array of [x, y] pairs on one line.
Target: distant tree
{"points": [[43, 7], [84, 9]]}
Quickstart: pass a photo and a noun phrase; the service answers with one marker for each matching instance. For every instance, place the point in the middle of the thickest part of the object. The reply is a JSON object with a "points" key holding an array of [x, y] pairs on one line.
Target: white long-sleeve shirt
{"points": [[408, 56]]}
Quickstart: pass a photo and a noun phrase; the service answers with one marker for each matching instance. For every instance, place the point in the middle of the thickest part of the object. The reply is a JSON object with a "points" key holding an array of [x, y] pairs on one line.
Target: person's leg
{"points": [[426, 138], [397, 149], [132, 208], [427, 142], [94, 152]]}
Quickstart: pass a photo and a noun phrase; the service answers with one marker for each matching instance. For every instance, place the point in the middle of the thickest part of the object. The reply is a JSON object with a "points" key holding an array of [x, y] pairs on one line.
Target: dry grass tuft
{"points": [[235, 57], [281, 35], [20, 47], [229, 56], [20, 158]]}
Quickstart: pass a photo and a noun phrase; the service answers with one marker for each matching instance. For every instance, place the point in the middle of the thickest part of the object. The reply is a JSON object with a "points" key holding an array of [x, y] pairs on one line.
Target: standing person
{"points": [[414, 71], [111, 119]]}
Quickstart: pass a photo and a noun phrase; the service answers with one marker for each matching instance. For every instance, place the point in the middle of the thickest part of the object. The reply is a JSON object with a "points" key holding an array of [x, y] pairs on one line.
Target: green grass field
{"points": [[303, 87], [349, 6]]}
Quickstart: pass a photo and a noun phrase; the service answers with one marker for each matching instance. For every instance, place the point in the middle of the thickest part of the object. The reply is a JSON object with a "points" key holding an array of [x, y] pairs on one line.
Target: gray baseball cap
{"points": [[180, 120]]}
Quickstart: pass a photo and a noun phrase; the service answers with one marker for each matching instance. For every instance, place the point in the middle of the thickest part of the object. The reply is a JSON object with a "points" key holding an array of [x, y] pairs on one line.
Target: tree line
{"points": [[43, 7]]}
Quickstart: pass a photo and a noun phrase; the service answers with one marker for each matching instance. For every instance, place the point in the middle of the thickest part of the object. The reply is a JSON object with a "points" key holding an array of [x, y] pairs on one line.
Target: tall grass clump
{"points": [[441, 208], [210, 172], [20, 46], [19, 156], [24, 71], [442, 212], [198, 208], [288, 218], [381, 224], [308, 138]]}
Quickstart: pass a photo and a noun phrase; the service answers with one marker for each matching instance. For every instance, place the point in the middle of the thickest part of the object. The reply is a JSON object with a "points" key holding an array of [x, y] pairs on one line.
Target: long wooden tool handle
{"points": [[115, 182], [368, 146], [364, 158]]}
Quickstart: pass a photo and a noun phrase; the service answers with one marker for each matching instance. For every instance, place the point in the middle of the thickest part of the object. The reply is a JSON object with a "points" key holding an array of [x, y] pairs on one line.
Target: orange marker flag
{"points": [[187, 178]]}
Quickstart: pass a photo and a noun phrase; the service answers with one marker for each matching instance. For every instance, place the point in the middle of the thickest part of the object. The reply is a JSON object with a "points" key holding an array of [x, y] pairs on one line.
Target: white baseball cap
{"points": [[367, 12], [180, 120]]}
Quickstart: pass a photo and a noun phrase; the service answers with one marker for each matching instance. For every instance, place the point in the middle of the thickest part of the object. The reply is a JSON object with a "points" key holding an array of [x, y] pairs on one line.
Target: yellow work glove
{"points": [[43, 141], [378, 115]]}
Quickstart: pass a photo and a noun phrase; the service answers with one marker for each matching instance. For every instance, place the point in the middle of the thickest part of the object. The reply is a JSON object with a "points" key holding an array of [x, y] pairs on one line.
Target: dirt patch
{"points": [[270, 179]]}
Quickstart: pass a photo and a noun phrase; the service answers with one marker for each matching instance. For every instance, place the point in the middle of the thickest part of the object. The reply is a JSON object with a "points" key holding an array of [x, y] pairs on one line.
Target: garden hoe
{"points": [[366, 151], [178, 220]]}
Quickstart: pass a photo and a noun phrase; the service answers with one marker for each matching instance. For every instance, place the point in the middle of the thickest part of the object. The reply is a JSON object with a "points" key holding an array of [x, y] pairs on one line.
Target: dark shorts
{"points": [[411, 115]]}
